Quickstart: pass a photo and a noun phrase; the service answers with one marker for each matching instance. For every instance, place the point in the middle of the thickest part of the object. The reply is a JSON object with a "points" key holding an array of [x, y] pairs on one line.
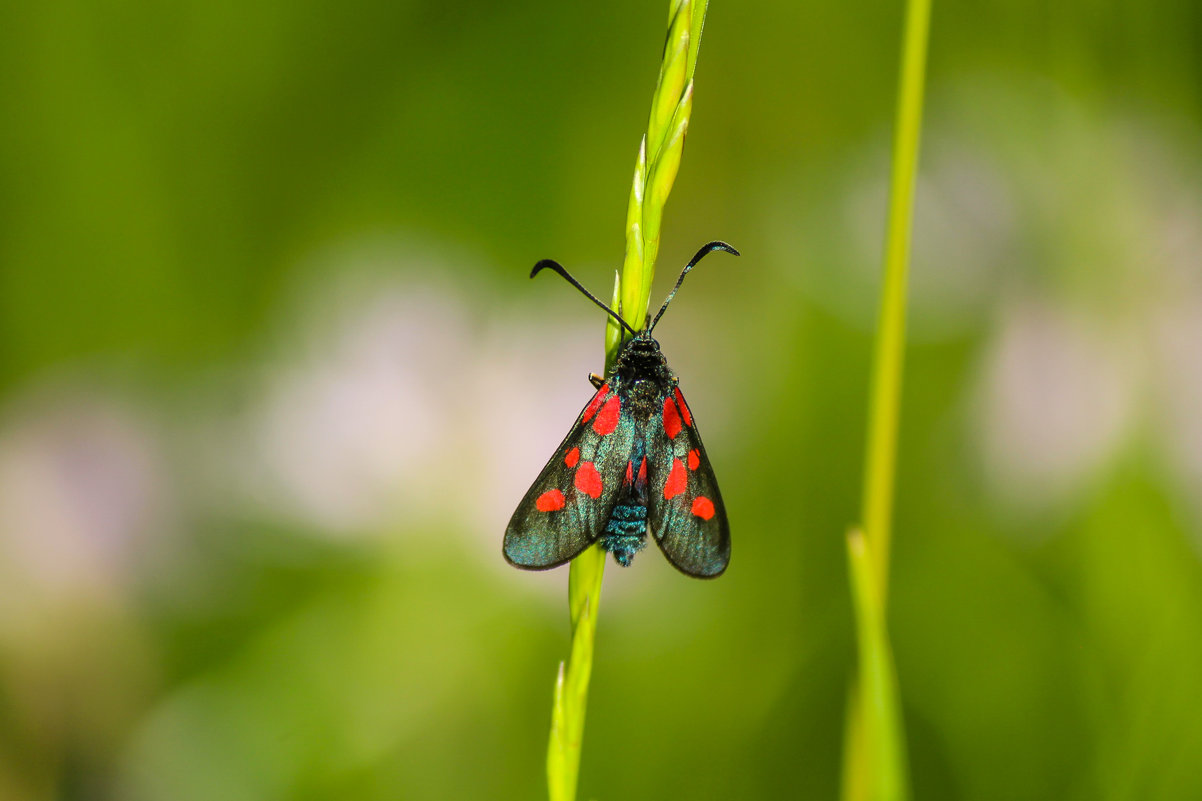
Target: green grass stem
{"points": [[874, 760], [655, 171], [874, 733], [885, 404]]}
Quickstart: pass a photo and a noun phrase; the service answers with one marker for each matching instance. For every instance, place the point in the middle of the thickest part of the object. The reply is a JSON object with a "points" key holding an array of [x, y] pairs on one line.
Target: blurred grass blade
{"points": [[654, 173], [875, 766], [885, 401]]}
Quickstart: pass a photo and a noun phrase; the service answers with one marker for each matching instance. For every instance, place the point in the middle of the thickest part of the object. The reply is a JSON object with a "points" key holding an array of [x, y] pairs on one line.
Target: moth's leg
{"points": [[595, 380]]}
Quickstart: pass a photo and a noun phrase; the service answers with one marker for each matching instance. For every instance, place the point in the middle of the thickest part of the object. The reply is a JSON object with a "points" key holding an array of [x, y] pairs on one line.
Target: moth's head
{"points": [[640, 358], [643, 343]]}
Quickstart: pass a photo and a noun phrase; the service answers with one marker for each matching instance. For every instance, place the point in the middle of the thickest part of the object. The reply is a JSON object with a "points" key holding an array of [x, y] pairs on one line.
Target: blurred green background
{"points": [[273, 379]]}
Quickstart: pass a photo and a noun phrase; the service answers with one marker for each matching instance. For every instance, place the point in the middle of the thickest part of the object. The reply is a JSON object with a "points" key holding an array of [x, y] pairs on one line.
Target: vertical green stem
{"points": [[874, 766], [655, 171], [885, 402]]}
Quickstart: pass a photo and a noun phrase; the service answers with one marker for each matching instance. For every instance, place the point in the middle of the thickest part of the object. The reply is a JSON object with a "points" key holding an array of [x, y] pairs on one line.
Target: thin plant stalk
{"points": [[885, 404], [874, 767], [655, 171], [874, 734]]}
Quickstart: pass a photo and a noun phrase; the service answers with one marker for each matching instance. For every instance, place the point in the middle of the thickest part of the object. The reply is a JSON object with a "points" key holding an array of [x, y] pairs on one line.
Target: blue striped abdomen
{"points": [[626, 532]]}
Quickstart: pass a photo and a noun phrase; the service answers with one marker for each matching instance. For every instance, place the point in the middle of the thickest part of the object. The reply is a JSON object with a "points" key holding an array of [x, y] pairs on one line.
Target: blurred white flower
{"points": [[82, 487], [1178, 422], [348, 419], [1056, 397], [965, 227], [347, 431]]}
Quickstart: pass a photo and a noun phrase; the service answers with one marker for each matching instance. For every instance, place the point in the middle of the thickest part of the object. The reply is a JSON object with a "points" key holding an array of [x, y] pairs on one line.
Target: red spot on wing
{"points": [[703, 507], [671, 418], [629, 472], [676, 480], [684, 408], [607, 420], [694, 459], [549, 501], [643, 472], [595, 403], [588, 480], [572, 458]]}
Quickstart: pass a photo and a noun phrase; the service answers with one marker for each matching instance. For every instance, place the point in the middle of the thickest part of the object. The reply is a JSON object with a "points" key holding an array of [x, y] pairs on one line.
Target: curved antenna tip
{"points": [[706, 249], [718, 244], [554, 266]]}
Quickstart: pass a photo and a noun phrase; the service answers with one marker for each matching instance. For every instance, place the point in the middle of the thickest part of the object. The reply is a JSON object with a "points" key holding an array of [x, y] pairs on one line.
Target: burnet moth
{"points": [[633, 459]]}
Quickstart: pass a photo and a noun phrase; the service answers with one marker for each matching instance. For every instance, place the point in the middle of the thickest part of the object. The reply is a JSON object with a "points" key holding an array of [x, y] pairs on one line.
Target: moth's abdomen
{"points": [[626, 532]]}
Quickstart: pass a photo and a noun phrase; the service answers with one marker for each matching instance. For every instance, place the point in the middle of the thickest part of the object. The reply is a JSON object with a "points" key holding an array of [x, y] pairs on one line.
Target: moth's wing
{"points": [[687, 516], [567, 507]]}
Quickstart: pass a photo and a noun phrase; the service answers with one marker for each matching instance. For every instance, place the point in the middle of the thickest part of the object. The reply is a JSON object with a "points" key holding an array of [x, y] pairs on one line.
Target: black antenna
{"points": [[706, 249], [550, 264]]}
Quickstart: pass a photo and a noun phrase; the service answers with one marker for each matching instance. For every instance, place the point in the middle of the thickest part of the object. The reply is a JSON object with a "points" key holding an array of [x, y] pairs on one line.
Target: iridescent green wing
{"points": [[567, 507], [686, 512]]}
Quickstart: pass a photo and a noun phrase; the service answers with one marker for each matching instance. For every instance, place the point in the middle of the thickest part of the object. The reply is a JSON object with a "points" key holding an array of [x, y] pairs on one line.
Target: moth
{"points": [[633, 460]]}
